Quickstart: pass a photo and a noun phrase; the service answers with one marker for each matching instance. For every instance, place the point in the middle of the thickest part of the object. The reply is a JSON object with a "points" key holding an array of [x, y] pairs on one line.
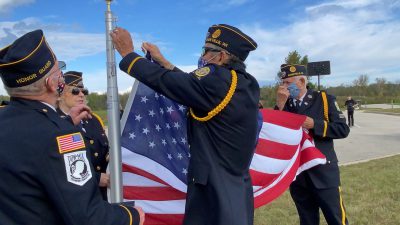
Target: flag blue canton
{"points": [[76, 137], [156, 128]]}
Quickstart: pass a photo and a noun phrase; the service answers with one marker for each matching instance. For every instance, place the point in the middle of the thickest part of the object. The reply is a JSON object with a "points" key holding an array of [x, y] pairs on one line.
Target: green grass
{"points": [[371, 193]]}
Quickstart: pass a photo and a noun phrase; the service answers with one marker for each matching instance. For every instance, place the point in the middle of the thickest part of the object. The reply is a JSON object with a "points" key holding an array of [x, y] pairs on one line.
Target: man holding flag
{"points": [[222, 127], [318, 187]]}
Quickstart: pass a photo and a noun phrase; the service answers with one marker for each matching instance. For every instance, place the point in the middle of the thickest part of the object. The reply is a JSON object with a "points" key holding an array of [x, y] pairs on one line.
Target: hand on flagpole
{"points": [[104, 180], [156, 55], [122, 41]]}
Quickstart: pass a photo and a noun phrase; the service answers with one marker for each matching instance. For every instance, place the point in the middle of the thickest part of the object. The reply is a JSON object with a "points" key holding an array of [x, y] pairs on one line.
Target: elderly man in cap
{"points": [[92, 129], [318, 187], [44, 169], [222, 125]]}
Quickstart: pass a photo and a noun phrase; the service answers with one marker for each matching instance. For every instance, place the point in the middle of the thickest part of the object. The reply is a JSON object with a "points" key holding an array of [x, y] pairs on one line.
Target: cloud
{"points": [[71, 46], [68, 45], [361, 38], [7, 5]]}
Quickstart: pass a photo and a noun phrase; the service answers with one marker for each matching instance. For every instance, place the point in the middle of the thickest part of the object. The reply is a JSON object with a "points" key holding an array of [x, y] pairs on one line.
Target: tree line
{"points": [[361, 89], [380, 91]]}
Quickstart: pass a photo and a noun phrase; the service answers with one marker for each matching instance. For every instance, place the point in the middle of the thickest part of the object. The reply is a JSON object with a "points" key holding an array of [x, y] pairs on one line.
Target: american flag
{"points": [[155, 155], [70, 142]]}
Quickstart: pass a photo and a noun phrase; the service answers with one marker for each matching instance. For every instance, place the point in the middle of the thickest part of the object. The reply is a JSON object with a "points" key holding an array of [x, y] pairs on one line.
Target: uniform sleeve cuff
{"points": [[319, 126], [133, 214], [128, 62]]}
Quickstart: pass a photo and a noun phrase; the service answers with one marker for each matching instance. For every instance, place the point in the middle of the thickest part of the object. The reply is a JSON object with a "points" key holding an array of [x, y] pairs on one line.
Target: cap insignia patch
{"points": [[292, 69], [216, 33]]}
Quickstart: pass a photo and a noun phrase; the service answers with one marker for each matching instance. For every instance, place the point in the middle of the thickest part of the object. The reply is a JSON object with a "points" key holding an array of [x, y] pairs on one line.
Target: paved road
{"points": [[373, 136], [381, 106]]}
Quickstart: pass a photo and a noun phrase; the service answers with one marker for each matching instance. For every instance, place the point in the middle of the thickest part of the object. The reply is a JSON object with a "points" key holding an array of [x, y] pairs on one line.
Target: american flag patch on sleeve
{"points": [[70, 142]]}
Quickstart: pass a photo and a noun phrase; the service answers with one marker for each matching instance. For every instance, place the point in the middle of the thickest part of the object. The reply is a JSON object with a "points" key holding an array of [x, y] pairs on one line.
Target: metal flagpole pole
{"points": [[114, 127]]}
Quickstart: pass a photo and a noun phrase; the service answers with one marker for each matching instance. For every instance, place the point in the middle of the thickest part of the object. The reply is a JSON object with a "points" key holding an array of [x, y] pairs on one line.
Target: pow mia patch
{"points": [[201, 72], [77, 168]]}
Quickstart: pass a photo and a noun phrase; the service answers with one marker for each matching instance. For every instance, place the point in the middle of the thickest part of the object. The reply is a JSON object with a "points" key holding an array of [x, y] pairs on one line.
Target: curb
{"points": [[367, 160]]}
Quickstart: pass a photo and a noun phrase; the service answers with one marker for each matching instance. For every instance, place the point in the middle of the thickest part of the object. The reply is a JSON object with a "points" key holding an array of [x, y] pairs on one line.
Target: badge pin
{"points": [[305, 103], [310, 96]]}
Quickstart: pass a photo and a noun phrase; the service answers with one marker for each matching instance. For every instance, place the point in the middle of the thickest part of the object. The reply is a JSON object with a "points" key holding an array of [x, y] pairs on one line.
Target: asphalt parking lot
{"points": [[373, 136]]}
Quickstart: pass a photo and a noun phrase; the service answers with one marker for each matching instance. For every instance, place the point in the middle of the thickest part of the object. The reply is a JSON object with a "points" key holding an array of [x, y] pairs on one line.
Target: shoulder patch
{"points": [[203, 71], [70, 142], [77, 167]]}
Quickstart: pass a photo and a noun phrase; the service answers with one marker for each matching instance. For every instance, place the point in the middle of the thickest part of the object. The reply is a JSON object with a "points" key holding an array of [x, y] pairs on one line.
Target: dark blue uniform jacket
{"points": [[36, 174], [323, 176], [97, 144], [219, 185]]}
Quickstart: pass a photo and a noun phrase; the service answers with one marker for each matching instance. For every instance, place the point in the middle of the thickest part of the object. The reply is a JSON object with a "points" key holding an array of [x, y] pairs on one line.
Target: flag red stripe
{"points": [[309, 154], [275, 150], [163, 219], [262, 179], [72, 145], [153, 193], [135, 170], [283, 119], [279, 188]]}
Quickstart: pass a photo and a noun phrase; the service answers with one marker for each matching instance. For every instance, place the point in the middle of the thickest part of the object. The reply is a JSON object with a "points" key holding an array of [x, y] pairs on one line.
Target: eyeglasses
{"points": [[208, 49], [76, 91]]}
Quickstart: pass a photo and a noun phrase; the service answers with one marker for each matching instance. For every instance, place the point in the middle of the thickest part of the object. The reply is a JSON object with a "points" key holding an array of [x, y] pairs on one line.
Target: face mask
{"points": [[293, 90], [202, 62]]}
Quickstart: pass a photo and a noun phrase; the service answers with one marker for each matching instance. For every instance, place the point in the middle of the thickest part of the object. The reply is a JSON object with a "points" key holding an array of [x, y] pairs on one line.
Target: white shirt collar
{"points": [[49, 106], [301, 98]]}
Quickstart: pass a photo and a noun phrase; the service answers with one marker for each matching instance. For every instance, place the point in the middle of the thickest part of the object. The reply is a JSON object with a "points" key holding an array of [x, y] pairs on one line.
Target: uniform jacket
{"points": [[350, 105], [322, 176], [219, 185], [97, 144], [42, 183]]}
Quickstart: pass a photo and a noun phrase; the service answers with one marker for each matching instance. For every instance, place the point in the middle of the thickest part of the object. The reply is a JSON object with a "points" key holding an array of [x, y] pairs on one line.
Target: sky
{"points": [[356, 36]]}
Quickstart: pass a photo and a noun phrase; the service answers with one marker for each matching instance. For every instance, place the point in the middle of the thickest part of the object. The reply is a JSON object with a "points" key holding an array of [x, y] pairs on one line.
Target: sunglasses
{"points": [[208, 49], [75, 91]]}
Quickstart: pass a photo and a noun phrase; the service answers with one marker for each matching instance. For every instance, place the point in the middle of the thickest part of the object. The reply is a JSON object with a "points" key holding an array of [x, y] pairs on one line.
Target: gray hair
{"points": [[233, 62], [304, 77], [34, 89]]}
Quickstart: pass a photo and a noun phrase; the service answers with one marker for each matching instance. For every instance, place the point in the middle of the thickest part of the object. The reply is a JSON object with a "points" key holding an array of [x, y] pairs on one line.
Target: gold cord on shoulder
{"points": [[325, 101], [221, 105]]}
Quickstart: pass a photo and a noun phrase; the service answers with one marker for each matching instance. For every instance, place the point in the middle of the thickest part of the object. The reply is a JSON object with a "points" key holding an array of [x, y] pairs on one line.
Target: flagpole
{"points": [[114, 129]]}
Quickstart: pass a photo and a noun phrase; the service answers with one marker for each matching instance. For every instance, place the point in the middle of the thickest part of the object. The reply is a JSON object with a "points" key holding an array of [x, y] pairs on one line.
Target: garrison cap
{"points": [[292, 70], [26, 60], [73, 78], [231, 39]]}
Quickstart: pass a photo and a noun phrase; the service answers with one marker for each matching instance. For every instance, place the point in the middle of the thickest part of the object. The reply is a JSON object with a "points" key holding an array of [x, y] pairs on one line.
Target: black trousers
{"points": [[309, 200], [350, 118]]}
